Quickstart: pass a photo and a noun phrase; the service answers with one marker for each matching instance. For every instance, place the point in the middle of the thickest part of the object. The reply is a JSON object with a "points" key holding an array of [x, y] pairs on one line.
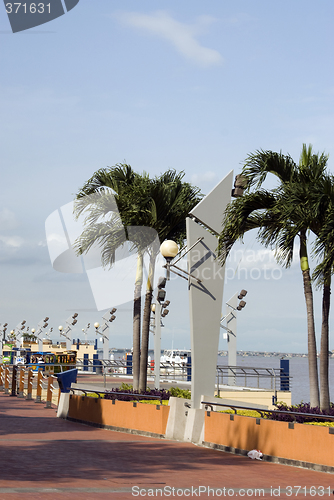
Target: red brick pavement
{"points": [[46, 458]]}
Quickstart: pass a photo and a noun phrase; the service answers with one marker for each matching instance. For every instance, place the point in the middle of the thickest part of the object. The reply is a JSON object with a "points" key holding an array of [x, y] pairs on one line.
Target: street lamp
{"points": [[70, 322], [3, 330], [85, 332], [169, 249], [231, 329], [108, 317], [159, 310], [42, 324], [240, 185]]}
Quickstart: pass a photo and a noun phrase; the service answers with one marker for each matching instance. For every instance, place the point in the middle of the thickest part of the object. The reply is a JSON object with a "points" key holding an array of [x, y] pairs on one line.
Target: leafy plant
{"points": [[300, 408], [127, 394], [176, 392]]}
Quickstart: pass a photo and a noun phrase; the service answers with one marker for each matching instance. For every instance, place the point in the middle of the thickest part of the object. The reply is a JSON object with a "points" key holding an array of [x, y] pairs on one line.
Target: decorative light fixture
{"points": [[169, 249]]}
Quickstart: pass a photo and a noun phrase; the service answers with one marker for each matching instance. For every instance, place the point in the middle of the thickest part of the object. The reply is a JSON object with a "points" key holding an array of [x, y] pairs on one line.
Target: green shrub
{"points": [[321, 424], [126, 387], [244, 413], [176, 392], [154, 401]]}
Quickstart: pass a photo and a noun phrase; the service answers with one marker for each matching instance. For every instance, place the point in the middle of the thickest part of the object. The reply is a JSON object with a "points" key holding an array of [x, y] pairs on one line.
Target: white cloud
{"points": [[206, 177], [182, 36], [7, 219], [12, 241]]}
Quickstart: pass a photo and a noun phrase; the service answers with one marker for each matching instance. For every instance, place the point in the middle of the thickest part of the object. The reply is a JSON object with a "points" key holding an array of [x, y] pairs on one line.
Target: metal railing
{"points": [[262, 411], [114, 394], [250, 377]]}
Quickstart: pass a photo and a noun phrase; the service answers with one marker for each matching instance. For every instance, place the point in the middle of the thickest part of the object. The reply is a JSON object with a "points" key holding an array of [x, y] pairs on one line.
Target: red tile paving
{"points": [[46, 458]]}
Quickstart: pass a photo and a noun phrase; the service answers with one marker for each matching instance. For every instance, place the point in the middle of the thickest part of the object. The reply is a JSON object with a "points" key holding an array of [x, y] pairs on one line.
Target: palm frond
{"points": [[259, 164]]}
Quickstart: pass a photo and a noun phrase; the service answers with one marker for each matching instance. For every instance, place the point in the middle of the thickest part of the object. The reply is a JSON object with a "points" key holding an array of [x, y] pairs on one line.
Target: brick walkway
{"points": [[46, 458]]}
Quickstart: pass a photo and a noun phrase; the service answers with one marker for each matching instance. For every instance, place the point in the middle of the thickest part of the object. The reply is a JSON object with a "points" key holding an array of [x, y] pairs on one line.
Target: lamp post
{"points": [[108, 317], [231, 329], [3, 329], [169, 249], [159, 310], [85, 332], [60, 328], [18, 331], [42, 324], [71, 321]]}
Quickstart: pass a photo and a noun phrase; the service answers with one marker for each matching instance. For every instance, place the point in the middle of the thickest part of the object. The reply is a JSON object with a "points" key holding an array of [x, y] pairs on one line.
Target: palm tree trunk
{"points": [[146, 327], [136, 322], [311, 340], [324, 382]]}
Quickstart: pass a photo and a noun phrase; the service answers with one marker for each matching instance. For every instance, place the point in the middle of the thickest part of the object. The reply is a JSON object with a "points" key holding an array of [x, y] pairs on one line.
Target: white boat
{"points": [[175, 357]]}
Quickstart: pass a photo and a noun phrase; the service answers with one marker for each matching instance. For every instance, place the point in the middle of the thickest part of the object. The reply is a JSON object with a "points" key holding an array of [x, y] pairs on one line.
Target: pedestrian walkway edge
{"points": [[269, 458], [116, 429]]}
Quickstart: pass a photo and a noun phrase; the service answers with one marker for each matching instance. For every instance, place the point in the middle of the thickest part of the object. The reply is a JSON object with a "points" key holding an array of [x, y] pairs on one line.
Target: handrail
{"points": [[138, 396], [272, 412], [253, 369]]}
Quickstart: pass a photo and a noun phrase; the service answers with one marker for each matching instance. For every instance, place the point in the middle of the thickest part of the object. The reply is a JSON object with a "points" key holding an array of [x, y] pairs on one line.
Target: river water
{"points": [[299, 385]]}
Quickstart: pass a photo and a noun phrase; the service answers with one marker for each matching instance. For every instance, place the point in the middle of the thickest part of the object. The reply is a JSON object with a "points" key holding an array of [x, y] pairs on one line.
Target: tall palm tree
{"points": [[96, 198], [170, 201], [324, 249], [281, 215], [162, 204]]}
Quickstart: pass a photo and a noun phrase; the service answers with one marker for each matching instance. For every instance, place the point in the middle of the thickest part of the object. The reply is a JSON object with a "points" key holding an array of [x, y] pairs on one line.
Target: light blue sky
{"points": [[189, 85]]}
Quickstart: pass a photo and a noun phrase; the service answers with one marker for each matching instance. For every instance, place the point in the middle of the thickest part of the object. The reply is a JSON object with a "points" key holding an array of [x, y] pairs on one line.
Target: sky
{"points": [[194, 86]]}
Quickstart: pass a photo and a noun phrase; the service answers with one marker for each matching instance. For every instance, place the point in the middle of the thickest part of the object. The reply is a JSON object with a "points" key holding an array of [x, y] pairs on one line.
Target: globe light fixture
{"points": [[169, 249]]}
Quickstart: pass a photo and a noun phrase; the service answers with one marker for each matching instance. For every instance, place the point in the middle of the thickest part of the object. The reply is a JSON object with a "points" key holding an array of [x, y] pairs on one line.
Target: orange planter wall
{"points": [[143, 417], [306, 443]]}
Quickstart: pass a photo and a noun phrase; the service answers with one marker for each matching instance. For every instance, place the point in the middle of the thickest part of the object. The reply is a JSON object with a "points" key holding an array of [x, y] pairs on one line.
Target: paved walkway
{"points": [[46, 458]]}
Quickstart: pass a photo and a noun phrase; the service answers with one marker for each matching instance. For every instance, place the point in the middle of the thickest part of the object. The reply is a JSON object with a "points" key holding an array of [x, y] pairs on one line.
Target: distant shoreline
{"points": [[245, 354]]}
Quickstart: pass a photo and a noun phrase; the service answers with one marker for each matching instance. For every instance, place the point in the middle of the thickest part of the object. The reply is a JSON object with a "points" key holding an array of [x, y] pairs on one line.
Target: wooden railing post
{"points": [[30, 382], [39, 387], [49, 392], [1, 377], [14, 380], [21, 383], [7, 380]]}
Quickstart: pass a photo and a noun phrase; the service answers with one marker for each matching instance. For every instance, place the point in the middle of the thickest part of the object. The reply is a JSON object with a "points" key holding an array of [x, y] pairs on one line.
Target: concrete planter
{"points": [[139, 418], [294, 444]]}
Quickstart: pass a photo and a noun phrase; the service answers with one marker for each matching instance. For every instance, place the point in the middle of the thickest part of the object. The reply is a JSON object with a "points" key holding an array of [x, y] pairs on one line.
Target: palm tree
{"points": [[324, 249], [162, 204], [170, 201], [280, 215], [96, 197]]}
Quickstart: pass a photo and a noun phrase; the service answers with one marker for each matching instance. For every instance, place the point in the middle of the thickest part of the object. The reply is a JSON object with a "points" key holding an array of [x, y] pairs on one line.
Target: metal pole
{"points": [[232, 337], [105, 348], [157, 345]]}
